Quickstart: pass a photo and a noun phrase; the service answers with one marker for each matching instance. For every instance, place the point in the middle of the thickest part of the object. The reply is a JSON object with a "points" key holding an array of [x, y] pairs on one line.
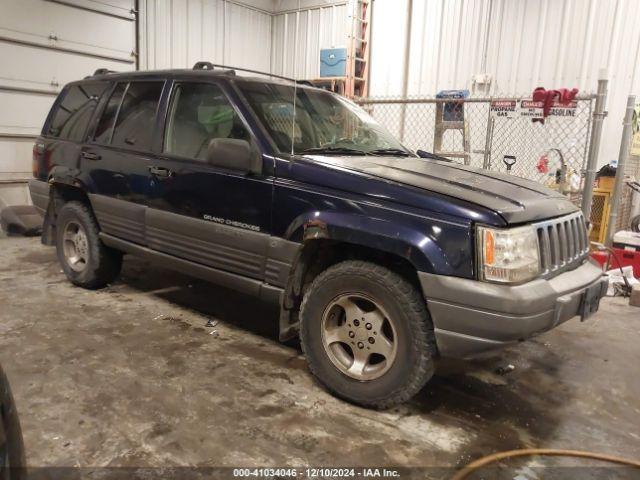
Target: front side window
{"points": [[74, 112], [319, 122], [199, 113]]}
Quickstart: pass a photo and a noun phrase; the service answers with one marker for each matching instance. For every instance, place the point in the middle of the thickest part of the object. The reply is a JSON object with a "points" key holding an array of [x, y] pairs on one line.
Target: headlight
{"points": [[508, 255]]}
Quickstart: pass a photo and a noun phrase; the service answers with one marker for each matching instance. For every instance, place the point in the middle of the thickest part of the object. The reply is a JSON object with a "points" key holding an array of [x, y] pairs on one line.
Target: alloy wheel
{"points": [[75, 246], [359, 336]]}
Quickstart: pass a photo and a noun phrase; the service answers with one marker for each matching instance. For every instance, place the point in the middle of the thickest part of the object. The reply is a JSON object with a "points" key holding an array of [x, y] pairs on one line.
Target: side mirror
{"points": [[234, 154]]}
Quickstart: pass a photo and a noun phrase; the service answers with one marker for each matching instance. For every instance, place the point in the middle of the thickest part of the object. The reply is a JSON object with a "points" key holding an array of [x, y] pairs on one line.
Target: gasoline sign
{"points": [[563, 112]]}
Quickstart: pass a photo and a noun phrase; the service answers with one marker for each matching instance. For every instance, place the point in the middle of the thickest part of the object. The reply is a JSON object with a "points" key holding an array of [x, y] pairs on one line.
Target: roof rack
{"points": [[203, 66], [103, 71], [232, 71]]}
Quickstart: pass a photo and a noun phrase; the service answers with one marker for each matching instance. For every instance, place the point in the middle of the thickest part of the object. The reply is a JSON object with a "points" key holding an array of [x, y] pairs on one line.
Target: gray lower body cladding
{"points": [[218, 246], [472, 317], [253, 263], [233, 281], [119, 218], [224, 248]]}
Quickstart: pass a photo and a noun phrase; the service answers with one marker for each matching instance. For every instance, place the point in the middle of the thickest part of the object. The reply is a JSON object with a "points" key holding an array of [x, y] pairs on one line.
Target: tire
{"points": [[408, 346], [85, 260]]}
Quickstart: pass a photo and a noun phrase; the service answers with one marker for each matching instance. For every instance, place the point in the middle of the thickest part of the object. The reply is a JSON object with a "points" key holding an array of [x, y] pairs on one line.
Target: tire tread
{"points": [[109, 261], [423, 338]]}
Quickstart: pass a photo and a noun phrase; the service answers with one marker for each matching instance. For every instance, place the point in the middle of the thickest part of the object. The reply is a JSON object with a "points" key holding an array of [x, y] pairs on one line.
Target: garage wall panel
{"points": [[178, 33], [53, 25], [48, 69], [247, 38], [116, 8], [23, 114], [45, 44], [298, 37], [13, 150]]}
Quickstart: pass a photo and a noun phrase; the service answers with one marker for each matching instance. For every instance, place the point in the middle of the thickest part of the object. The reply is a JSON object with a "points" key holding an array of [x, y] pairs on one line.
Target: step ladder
{"points": [[450, 116]]}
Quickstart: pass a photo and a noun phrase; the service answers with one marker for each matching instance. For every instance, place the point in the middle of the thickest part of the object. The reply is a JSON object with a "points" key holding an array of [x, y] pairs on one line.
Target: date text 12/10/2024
{"points": [[318, 472]]}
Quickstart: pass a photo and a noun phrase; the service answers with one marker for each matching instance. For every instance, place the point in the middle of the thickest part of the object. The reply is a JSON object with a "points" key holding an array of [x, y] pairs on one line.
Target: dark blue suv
{"points": [[380, 259]]}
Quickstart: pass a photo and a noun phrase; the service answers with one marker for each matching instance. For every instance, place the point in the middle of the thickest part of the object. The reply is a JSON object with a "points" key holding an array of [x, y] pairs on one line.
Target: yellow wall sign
{"points": [[635, 139]]}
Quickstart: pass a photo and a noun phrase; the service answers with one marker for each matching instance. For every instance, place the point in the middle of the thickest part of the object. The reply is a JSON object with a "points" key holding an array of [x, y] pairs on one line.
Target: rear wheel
{"points": [[367, 334], [86, 261]]}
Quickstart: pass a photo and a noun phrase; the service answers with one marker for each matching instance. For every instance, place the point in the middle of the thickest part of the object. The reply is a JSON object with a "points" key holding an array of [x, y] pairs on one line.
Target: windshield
{"points": [[324, 123]]}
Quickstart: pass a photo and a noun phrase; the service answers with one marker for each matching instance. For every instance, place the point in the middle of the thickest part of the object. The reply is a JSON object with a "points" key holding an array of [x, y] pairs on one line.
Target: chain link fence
{"points": [[502, 134]]}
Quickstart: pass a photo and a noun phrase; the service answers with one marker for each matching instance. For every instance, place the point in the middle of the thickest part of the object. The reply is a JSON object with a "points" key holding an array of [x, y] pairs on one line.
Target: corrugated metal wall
{"points": [[298, 36], [272, 36], [522, 44], [178, 33], [43, 45]]}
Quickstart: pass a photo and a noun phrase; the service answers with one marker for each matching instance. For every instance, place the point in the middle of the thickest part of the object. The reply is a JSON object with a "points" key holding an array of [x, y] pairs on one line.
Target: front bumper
{"points": [[472, 317]]}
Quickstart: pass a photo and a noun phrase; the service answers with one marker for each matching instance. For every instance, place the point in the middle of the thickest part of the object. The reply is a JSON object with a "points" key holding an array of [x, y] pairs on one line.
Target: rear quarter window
{"points": [[73, 112]]}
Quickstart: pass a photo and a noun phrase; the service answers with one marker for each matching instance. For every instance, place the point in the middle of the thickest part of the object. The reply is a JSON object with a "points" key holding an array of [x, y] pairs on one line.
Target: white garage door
{"points": [[43, 45]]}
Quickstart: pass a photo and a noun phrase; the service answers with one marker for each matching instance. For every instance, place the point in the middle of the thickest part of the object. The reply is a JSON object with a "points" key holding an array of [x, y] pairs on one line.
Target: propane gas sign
{"points": [[503, 108]]}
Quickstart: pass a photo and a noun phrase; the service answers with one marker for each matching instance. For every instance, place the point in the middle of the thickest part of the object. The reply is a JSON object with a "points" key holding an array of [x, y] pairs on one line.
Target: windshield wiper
{"points": [[334, 150], [390, 151]]}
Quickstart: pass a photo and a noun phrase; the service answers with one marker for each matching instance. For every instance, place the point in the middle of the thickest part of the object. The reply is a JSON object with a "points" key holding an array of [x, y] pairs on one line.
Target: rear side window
{"points": [[137, 115], [108, 118], [74, 112], [129, 117]]}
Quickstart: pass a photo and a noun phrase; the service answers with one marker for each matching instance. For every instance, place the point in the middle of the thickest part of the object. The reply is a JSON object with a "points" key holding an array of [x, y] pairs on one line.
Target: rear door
{"points": [[123, 137], [213, 216], [65, 131]]}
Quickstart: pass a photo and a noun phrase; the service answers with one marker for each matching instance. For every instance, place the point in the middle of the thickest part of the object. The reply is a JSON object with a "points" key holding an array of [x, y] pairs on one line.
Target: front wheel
{"points": [[367, 335]]}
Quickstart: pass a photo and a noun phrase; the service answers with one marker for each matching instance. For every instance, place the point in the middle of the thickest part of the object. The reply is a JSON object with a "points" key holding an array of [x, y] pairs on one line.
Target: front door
{"points": [[199, 212]]}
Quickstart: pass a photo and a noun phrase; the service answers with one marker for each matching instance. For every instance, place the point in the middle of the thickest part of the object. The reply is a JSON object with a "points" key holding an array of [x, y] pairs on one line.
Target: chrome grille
{"points": [[562, 241]]}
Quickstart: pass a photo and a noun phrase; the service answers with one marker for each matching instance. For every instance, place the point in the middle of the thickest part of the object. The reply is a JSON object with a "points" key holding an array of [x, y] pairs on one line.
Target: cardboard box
{"points": [[606, 183]]}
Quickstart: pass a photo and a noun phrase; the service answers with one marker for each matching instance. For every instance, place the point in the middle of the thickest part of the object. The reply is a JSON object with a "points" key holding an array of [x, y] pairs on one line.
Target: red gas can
{"points": [[625, 257]]}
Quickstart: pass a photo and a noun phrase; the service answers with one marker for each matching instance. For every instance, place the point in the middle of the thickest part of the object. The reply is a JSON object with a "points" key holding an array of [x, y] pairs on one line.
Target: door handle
{"points": [[90, 156], [160, 172]]}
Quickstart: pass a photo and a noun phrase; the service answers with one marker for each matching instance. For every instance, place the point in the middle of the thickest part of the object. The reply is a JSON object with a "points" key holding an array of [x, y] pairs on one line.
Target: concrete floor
{"points": [[131, 376]]}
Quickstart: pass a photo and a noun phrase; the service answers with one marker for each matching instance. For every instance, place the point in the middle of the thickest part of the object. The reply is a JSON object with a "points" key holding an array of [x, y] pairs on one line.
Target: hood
{"points": [[516, 199]]}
